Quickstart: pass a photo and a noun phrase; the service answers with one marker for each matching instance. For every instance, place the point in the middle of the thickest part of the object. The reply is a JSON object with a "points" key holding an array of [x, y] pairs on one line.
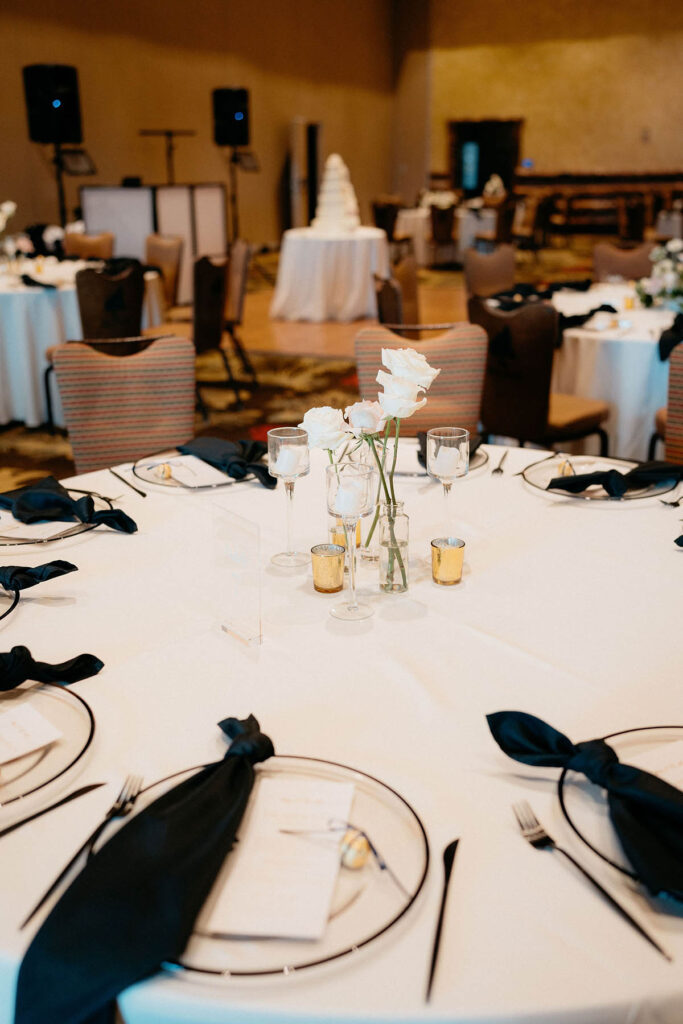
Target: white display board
{"points": [[127, 212], [197, 213]]}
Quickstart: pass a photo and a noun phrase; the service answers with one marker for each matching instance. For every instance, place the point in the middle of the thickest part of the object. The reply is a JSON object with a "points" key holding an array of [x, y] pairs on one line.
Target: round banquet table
{"points": [[33, 319], [619, 365], [416, 224], [567, 610], [329, 276]]}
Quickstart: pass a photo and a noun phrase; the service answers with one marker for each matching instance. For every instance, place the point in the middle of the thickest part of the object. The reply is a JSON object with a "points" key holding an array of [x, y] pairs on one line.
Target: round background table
{"points": [[329, 276]]}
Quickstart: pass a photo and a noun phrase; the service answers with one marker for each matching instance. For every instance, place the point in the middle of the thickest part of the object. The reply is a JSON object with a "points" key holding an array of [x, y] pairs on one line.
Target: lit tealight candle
{"points": [[287, 462], [447, 461], [349, 500]]}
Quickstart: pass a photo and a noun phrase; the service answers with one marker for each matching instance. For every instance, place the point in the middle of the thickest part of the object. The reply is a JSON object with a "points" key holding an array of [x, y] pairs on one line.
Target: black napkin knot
{"points": [[247, 739], [18, 665], [594, 758], [670, 338], [19, 577]]}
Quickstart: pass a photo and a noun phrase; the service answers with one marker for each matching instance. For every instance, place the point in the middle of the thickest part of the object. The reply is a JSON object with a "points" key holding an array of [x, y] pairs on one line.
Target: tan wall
{"points": [[412, 97], [598, 82], [148, 64]]}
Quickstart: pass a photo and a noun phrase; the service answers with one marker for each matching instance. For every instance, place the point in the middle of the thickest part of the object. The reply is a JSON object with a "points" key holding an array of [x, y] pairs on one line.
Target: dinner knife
{"points": [[44, 810], [448, 858]]}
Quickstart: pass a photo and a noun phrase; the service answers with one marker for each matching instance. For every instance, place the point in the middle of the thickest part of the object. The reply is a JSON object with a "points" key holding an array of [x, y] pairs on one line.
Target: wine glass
{"points": [[289, 458], [448, 456], [350, 495]]}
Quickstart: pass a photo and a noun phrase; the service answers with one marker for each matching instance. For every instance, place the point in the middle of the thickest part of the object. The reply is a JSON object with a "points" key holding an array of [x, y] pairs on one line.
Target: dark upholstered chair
{"points": [[120, 408], [631, 264], [164, 252], [111, 304], [517, 400], [455, 395], [442, 220], [88, 247], [489, 272], [669, 419]]}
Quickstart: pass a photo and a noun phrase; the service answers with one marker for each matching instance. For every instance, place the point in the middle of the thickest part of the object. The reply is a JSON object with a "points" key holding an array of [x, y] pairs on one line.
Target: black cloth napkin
{"points": [[647, 813], [236, 458], [48, 501], [615, 483], [32, 283], [679, 541], [18, 665], [134, 904], [19, 577], [670, 338], [475, 441]]}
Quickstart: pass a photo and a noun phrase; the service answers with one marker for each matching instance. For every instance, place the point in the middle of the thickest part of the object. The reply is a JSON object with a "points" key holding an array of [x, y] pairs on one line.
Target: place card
{"points": [[24, 730], [275, 884]]}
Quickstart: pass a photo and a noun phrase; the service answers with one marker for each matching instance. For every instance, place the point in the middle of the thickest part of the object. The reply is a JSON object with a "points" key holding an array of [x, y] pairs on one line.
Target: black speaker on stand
{"points": [[231, 128], [54, 113]]}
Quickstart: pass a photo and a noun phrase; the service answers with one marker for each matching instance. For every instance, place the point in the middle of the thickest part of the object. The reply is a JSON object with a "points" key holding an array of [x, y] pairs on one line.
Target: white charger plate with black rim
{"points": [[539, 474]]}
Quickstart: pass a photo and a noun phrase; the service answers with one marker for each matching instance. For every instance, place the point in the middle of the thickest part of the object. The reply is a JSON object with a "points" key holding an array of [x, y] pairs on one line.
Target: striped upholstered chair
{"points": [[123, 407], [669, 419], [455, 395]]}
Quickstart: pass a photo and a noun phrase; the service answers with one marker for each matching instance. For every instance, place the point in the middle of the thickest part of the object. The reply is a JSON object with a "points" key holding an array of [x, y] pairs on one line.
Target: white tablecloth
{"points": [[568, 611], [329, 277], [416, 224], [620, 365], [34, 319]]}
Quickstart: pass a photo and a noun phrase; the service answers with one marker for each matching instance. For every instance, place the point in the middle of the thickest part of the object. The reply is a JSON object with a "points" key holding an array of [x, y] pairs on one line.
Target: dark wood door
{"points": [[479, 149]]}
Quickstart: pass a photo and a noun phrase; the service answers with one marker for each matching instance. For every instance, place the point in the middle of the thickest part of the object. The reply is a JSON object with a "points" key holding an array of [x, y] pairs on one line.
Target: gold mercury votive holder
{"points": [[448, 554], [328, 567]]}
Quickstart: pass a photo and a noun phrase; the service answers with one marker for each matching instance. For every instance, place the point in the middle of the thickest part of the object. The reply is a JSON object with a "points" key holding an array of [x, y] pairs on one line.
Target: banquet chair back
{"points": [[164, 252], [385, 214], [405, 273], [121, 408], [88, 247], [442, 220], [673, 429], [489, 272], [111, 304], [631, 264], [210, 289], [517, 401], [455, 395], [238, 274], [389, 300]]}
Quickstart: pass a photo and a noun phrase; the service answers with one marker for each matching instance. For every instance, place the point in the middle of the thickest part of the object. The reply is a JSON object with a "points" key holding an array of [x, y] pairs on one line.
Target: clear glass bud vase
{"points": [[393, 548]]}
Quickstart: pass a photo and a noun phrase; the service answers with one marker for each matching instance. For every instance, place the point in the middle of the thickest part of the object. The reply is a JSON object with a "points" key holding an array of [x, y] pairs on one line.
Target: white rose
{"points": [[8, 209], [400, 397], [675, 245], [365, 417], [325, 427], [409, 364]]}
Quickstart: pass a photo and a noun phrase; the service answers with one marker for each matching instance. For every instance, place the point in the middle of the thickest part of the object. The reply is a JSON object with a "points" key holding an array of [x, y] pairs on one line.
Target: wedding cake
{"points": [[337, 208]]}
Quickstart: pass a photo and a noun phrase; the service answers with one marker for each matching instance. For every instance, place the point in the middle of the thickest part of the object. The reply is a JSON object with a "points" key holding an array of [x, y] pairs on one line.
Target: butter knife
{"points": [[448, 858]]}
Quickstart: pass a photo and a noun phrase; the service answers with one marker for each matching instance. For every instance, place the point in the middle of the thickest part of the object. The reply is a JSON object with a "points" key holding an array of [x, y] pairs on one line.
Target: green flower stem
{"points": [[393, 465]]}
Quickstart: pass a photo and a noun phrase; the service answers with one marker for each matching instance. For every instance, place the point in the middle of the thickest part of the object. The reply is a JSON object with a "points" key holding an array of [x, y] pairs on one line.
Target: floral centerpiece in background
{"points": [[664, 286], [372, 424]]}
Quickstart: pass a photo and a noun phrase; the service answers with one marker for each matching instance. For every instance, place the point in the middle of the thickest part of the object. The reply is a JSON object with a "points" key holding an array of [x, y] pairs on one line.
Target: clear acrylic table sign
{"points": [[236, 546]]}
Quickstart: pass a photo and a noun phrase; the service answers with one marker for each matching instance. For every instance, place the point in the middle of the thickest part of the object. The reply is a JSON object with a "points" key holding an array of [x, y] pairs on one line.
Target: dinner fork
{"points": [[672, 504], [534, 833], [121, 807], [499, 467]]}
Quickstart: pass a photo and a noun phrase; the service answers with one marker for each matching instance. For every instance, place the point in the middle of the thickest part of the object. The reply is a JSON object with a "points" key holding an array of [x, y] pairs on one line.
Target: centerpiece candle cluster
{"points": [[370, 425]]}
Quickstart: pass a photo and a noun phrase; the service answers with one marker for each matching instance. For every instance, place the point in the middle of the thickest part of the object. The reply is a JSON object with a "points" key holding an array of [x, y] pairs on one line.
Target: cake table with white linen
{"points": [[329, 275]]}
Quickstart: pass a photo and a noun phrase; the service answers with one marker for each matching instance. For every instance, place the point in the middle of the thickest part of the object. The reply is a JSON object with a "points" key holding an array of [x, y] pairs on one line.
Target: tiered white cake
{"points": [[337, 208]]}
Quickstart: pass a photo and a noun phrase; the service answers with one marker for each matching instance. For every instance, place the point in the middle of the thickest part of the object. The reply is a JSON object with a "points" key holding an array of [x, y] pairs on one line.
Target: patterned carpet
{"points": [[288, 386]]}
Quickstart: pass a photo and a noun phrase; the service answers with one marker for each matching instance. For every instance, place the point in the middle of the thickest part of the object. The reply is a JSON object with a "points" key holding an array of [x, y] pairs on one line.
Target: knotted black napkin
{"points": [[617, 484], [47, 501], [670, 338], [236, 458], [647, 813], [31, 282], [475, 441], [134, 904], [20, 577], [17, 665]]}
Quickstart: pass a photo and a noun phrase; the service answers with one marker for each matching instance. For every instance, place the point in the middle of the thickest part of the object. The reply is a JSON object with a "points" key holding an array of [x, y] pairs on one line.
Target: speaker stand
{"points": [[169, 135], [58, 161], [234, 214]]}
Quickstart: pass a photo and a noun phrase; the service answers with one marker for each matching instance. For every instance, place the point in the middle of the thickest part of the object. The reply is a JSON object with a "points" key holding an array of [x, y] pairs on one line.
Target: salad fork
{"points": [[121, 807], [534, 833], [499, 468]]}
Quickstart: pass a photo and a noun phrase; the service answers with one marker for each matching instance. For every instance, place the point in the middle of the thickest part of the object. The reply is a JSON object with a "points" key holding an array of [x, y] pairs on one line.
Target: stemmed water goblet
{"points": [[288, 458], [448, 457], [351, 490]]}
